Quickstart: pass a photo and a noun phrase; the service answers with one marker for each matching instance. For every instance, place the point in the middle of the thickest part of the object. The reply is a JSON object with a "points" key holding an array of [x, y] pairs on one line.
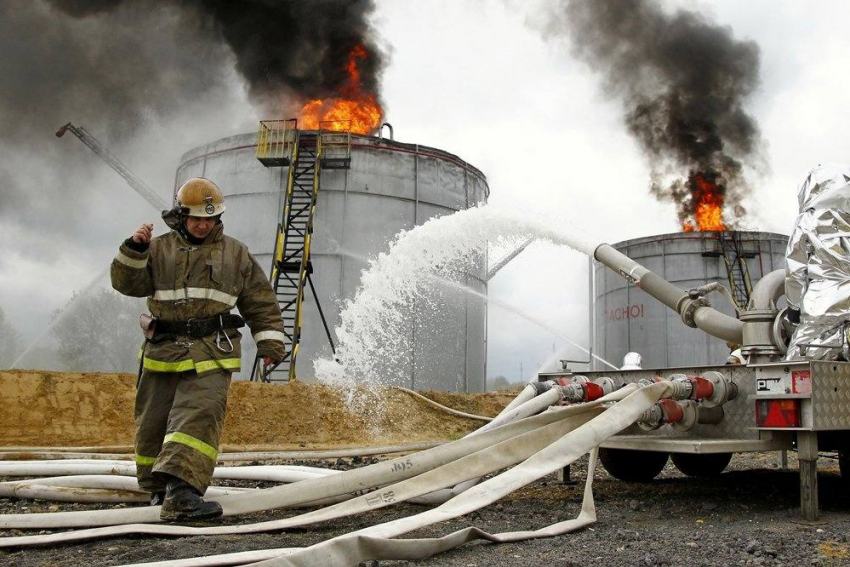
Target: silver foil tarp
{"points": [[817, 280]]}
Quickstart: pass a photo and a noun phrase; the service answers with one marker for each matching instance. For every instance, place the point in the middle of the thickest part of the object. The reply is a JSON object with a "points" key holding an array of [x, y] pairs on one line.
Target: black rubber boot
{"points": [[182, 502], [157, 498]]}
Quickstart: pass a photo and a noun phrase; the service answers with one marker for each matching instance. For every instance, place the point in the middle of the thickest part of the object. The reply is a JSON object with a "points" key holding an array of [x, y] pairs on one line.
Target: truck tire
{"points": [[633, 466], [708, 465]]}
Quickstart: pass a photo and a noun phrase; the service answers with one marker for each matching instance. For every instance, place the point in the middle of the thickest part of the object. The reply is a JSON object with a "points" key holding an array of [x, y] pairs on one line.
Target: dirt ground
{"points": [[60, 409], [746, 516]]}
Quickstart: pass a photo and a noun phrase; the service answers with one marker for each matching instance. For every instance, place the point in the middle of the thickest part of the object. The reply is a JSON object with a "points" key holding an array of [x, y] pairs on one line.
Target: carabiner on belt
{"points": [[218, 335]]}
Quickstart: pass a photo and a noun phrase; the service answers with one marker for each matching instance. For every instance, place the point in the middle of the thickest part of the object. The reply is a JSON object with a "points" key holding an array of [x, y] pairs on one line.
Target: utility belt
{"points": [[157, 330]]}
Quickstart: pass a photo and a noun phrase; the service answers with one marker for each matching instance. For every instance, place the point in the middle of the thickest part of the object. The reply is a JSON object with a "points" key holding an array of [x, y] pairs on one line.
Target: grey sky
{"points": [[475, 78]]}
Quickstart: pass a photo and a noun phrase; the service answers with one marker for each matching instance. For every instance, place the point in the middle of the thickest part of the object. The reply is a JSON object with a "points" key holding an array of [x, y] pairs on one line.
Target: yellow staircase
{"points": [[280, 143]]}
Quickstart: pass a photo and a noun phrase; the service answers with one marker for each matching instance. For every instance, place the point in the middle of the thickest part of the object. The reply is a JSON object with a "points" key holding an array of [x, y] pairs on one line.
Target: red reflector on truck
{"points": [[778, 413]]}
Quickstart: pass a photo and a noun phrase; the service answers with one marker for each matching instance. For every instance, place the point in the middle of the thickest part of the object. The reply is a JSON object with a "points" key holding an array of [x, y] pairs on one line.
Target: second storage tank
{"points": [[624, 318]]}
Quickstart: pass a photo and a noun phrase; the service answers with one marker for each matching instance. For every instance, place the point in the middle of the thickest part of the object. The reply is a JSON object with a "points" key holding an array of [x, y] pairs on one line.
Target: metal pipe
{"points": [[760, 342], [768, 290], [696, 313], [381, 131]]}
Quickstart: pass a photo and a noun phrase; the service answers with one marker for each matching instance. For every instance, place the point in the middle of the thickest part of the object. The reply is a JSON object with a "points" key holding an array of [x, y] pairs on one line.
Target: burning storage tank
{"points": [[387, 187], [625, 319]]}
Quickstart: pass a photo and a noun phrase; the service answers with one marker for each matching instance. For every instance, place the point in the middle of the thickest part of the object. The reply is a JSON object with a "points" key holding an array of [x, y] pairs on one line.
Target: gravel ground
{"points": [[747, 516]]}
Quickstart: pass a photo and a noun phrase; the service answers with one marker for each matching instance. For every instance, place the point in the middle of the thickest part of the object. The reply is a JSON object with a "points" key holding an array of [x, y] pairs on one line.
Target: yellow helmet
{"points": [[200, 197]]}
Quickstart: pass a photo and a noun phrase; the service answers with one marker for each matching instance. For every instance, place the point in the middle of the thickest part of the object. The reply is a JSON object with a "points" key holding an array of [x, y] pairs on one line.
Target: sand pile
{"points": [[63, 409]]}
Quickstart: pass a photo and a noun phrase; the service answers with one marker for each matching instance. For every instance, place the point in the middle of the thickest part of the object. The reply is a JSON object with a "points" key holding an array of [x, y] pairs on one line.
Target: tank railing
{"points": [[335, 143], [276, 140], [696, 312]]}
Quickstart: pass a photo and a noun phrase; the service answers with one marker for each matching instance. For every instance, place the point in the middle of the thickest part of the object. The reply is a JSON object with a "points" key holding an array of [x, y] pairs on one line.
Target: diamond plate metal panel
{"points": [[738, 421], [830, 395]]}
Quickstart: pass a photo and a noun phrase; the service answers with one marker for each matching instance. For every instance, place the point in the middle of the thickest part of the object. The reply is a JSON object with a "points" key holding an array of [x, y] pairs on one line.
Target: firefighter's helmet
{"points": [[200, 197]]}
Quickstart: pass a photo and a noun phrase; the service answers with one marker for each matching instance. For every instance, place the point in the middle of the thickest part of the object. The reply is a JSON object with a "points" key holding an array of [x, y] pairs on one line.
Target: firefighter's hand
{"points": [[143, 233]]}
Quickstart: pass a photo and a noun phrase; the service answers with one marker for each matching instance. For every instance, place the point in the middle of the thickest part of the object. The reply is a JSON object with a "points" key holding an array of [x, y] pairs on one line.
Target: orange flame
{"points": [[708, 211], [355, 110]]}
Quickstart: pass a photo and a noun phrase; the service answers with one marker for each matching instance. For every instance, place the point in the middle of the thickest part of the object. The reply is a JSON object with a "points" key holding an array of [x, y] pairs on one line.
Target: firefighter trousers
{"points": [[179, 417]]}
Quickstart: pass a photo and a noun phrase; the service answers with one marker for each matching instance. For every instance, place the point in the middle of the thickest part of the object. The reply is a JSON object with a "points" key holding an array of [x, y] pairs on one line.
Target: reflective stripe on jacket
{"points": [[183, 281]]}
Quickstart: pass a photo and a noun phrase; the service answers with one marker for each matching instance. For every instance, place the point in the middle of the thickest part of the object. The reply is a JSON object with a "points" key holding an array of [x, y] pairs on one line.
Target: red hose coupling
{"points": [[703, 389], [672, 411], [592, 391], [562, 381]]}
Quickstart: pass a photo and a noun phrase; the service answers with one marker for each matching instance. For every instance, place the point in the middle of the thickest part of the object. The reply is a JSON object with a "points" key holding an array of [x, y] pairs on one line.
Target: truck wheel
{"points": [[633, 466], [711, 464]]}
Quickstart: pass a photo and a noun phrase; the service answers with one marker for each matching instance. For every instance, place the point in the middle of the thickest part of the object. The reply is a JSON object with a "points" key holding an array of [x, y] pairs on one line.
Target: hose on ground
{"points": [[91, 488], [489, 451], [362, 545], [56, 453], [361, 479], [377, 542], [531, 407], [441, 407], [540, 445]]}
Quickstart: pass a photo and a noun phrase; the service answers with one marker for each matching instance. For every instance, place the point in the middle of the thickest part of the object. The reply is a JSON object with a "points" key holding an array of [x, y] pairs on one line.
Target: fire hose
{"points": [[530, 407], [443, 408], [15, 454], [559, 449], [540, 444], [378, 474], [90, 488]]}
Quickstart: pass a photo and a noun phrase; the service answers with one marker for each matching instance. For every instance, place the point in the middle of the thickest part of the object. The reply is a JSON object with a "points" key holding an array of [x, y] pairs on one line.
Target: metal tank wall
{"points": [[390, 186], [625, 319]]}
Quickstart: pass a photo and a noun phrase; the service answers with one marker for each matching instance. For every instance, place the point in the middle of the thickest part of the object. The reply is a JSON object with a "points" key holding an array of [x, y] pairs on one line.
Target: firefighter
{"points": [[193, 276]]}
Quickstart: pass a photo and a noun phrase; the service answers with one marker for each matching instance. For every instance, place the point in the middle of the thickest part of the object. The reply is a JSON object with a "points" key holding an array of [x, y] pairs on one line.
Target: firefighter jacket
{"points": [[183, 281]]}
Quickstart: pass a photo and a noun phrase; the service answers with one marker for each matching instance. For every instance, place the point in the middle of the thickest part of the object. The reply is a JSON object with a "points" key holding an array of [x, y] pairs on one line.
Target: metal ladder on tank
{"points": [[280, 143], [732, 248]]}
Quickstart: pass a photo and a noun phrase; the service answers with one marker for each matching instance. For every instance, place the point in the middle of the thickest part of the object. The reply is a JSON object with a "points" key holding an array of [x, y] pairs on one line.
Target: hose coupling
{"points": [[723, 389], [652, 418], [712, 389], [697, 292], [643, 382], [684, 387], [608, 384], [541, 387], [681, 415], [573, 393], [582, 389], [687, 415]]}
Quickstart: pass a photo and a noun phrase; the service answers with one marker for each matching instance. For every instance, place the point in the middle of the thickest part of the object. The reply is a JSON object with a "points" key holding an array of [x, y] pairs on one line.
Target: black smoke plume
{"points": [[287, 51], [124, 68], [683, 82]]}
